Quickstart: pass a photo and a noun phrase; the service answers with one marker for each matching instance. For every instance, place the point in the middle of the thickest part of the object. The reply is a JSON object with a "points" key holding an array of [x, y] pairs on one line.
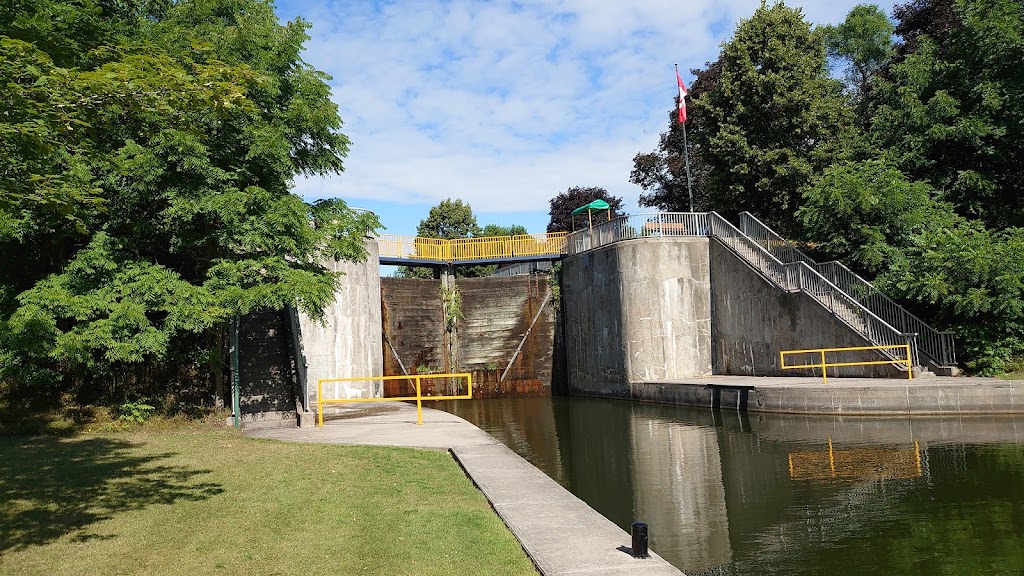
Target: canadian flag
{"points": [[682, 97]]}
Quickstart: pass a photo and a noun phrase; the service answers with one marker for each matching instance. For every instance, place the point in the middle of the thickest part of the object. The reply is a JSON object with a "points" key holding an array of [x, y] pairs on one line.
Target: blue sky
{"points": [[505, 103]]}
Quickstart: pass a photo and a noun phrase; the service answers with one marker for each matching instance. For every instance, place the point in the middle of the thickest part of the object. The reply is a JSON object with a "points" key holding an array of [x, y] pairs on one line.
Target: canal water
{"points": [[732, 493]]}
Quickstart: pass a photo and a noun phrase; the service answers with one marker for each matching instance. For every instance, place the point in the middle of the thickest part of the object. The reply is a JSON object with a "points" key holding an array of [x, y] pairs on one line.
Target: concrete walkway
{"points": [[848, 396], [560, 532]]}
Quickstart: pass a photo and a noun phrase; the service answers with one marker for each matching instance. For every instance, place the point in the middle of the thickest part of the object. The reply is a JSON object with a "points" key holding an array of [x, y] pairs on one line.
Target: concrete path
{"points": [[849, 396], [560, 532]]}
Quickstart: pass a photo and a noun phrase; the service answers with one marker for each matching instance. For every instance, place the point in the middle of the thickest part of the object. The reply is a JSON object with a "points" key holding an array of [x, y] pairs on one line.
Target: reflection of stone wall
{"points": [[677, 474]]}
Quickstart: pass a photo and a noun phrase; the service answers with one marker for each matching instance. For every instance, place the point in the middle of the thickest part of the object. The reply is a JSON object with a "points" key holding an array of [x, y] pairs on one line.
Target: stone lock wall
{"points": [[504, 319]]}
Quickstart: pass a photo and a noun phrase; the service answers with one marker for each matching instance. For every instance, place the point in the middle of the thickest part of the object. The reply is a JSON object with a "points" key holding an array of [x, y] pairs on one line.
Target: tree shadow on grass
{"points": [[51, 486]]}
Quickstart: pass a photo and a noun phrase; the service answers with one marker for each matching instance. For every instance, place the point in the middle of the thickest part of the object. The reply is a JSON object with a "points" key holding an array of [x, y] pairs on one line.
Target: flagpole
{"points": [[686, 151]]}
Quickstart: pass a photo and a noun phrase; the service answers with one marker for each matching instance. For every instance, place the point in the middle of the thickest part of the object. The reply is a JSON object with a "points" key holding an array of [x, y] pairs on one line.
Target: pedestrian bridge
{"points": [[414, 250]]}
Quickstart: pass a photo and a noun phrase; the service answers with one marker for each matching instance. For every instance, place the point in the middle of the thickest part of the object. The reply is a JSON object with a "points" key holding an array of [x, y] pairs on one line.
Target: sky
{"points": [[505, 103]]}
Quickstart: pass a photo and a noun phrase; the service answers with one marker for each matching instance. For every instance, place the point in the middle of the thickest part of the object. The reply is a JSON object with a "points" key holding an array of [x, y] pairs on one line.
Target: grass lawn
{"points": [[195, 500]]}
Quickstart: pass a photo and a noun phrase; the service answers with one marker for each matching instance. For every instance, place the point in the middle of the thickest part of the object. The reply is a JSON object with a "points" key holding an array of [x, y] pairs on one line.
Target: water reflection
{"points": [[728, 493]]}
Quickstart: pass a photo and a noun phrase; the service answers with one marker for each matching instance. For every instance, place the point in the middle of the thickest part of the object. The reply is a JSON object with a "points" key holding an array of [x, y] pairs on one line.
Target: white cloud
{"points": [[506, 103]]}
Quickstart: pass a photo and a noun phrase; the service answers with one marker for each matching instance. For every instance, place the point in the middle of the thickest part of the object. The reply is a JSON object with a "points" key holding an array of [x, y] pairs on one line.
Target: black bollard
{"points": [[639, 533]]}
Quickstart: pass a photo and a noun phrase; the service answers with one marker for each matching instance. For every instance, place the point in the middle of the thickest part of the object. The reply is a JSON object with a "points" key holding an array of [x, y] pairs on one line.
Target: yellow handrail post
{"points": [[910, 369], [319, 402], [824, 369], [419, 404]]}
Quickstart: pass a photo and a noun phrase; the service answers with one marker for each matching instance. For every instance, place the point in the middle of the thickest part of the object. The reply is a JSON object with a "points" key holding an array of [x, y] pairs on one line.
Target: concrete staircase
{"points": [[936, 348], [267, 371]]}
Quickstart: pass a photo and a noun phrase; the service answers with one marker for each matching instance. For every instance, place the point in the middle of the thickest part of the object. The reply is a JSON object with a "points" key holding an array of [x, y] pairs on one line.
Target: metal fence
{"points": [[936, 345], [650, 225]]}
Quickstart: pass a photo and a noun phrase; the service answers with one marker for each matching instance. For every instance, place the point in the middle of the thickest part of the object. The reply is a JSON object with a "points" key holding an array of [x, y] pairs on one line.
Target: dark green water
{"points": [[731, 493]]}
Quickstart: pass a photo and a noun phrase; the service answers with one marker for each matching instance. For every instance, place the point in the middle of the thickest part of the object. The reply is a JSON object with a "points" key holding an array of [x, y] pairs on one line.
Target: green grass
{"points": [[193, 500], [1012, 376]]}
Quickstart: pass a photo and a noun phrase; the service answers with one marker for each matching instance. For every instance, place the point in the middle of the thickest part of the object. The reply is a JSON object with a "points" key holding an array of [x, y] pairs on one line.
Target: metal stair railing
{"points": [[935, 344], [800, 276]]}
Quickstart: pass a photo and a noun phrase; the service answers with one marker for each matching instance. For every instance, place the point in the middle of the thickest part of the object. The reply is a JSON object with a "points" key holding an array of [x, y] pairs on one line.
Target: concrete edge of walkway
{"points": [[559, 532], [841, 396]]}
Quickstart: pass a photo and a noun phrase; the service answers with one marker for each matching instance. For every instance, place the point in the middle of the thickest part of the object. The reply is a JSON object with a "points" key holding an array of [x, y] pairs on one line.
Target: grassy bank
{"points": [[195, 500]]}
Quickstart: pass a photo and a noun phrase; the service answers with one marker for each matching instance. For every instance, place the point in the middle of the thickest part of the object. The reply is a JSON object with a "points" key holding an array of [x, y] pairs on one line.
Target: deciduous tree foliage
{"points": [[863, 43], [564, 203], [774, 119], [147, 152], [934, 212], [952, 107]]}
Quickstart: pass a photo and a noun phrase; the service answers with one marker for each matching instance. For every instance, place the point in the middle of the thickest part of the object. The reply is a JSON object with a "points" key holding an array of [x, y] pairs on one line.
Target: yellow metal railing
{"points": [[419, 398], [905, 348], [462, 249]]}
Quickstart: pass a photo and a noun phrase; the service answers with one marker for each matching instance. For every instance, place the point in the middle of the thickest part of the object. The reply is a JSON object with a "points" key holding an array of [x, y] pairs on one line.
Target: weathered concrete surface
{"points": [[753, 319], [504, 319], [348, 343], [413, 323], [560, 532], [637, 310], [848, 396], [503, 315]]}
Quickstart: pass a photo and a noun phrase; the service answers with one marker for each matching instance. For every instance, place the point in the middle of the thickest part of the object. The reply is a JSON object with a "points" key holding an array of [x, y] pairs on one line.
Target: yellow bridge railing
{"points": [[461, 249], [905, 348], [348, 391]]}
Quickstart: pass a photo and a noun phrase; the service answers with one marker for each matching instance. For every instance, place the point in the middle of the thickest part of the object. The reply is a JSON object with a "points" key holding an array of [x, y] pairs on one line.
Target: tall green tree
{"points": [[661, 173], [562, 205], [863, 43], [774, 119], [148, 154], [952, 107], [450, 219]]}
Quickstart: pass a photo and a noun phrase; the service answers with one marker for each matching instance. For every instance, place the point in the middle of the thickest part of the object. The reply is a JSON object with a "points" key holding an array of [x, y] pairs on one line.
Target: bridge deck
{"points": [[414, 261], [406, 250]]}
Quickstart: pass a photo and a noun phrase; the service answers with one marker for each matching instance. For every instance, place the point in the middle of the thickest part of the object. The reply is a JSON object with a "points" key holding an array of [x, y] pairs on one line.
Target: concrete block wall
{"points": [[267, 382], [637, 310], [348, 342]]}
